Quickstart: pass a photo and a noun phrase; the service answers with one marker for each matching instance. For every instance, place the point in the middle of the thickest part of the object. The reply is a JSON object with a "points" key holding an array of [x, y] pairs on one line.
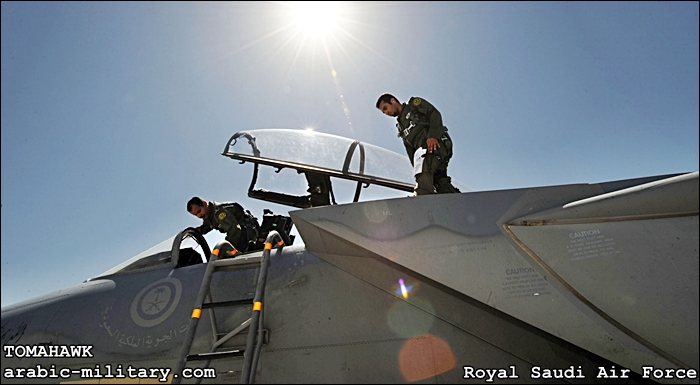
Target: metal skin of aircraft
{"points": [[578, 283]]}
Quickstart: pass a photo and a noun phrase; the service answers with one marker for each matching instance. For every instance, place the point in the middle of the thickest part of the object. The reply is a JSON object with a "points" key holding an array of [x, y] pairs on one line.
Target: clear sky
{"points": [[115, 114]]}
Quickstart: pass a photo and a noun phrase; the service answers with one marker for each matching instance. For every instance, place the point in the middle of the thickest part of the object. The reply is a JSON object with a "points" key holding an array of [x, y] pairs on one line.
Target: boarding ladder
{"points": [[251, 354]]}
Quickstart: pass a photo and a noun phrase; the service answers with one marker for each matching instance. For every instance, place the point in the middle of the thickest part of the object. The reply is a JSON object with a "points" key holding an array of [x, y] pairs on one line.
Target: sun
{"points": [[315, 18], [305, 35]]}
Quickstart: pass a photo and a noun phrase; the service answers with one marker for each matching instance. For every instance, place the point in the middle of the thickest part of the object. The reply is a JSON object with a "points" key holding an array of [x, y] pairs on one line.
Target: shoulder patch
{"points": [[416, 102], [222, 215]]}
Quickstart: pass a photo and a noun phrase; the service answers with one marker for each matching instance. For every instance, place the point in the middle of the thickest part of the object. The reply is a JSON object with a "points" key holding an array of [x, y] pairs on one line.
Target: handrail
{"points": [[234, 139], [192, 232], [252, 352], [221, 248]]}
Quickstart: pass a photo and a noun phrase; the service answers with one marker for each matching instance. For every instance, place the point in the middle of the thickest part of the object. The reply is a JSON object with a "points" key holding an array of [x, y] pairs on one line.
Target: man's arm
{"points": [[203, 228]]}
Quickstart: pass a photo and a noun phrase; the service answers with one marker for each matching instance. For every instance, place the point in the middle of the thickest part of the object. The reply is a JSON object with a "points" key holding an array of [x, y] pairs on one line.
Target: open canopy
{"points": [[321, 154]]}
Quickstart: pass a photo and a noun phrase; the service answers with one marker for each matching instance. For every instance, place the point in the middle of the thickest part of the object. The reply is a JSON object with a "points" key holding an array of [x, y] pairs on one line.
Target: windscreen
{"points": [[158, 255]]}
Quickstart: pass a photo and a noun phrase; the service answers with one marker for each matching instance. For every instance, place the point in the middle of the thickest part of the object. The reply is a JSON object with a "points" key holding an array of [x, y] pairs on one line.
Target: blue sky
{"points": [[115, 114]]}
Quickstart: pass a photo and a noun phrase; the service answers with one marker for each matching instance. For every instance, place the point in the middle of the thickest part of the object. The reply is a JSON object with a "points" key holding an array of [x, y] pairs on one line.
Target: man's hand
{"points": [[433, 144]]}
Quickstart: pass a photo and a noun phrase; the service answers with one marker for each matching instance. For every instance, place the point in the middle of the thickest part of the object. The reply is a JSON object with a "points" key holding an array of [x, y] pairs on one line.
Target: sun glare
{"points": [[305, 33], [315, 18]]}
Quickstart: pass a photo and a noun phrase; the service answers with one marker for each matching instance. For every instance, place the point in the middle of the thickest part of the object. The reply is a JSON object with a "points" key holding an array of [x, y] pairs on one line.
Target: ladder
{"points": [[254, 341]]}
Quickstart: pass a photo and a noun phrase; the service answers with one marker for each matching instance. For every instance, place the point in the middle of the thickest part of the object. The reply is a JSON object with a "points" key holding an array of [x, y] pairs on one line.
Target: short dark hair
{"points": [[195, 201], [386, 98]]}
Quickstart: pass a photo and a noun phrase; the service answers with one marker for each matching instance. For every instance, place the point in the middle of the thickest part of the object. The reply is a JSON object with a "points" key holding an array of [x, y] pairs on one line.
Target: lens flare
{"points": [[404, 292], [403, 289], [425, 356]]}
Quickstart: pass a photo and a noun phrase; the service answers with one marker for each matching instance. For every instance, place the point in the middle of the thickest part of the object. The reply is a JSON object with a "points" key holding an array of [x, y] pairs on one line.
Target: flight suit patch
{"points": [[221, 216], [416, 102]]}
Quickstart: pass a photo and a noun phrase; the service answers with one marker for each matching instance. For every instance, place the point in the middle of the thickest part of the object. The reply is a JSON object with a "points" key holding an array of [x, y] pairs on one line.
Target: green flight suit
{"points": [[418, 121], [239, 225]]}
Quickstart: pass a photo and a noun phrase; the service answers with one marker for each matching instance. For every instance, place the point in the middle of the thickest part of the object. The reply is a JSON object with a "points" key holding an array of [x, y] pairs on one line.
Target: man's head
{"points": [[389, 105], [198, 207]]}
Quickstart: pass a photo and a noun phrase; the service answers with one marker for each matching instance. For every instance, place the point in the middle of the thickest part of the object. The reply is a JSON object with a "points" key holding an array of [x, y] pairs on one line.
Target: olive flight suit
{"points": [[418, 121], [239, 225]]}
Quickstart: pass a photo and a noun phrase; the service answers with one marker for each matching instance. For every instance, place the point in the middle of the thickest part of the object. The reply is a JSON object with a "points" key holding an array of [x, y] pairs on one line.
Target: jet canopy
{"points": [[320, 154]]}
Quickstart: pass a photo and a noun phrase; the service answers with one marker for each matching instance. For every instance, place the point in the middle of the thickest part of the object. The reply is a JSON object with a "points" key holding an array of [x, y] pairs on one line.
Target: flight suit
{"points": [[239, 225], [418, 121]]}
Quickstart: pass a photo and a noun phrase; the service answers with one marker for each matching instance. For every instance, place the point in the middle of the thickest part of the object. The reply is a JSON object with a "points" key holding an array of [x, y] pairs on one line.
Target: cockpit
{"points": [[326, 162], [189, 247], [186, 248]]}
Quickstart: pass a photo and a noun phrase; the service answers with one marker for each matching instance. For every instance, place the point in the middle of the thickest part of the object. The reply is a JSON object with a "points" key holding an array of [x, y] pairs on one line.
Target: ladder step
{"points": [[248, 301], [265, 341], [239, 263], [216, 355]]}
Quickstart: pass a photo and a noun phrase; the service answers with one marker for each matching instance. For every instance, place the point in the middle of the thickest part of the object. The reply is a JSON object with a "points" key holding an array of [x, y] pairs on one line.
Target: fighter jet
{"points": [[577, 283]]}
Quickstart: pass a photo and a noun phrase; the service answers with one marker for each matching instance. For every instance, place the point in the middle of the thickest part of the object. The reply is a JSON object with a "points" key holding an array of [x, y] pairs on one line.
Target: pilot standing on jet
{"points": [[239, 225], [427, 143]]}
